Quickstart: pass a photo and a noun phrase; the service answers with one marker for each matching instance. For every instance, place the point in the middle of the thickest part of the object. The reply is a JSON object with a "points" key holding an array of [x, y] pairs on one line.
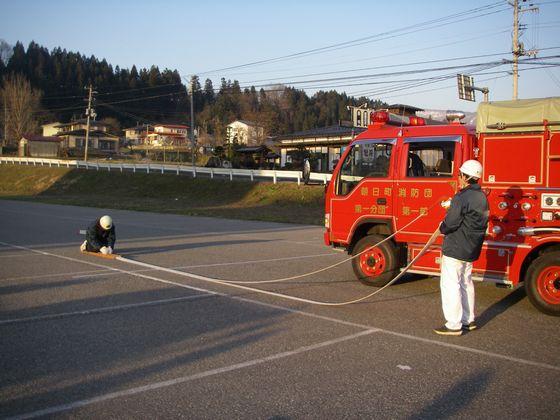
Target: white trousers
{"points": [[457, 292]]}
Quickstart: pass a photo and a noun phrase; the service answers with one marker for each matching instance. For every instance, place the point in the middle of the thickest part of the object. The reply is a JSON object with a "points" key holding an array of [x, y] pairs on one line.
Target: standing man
{"points": [[100, 236], [464, 228]]}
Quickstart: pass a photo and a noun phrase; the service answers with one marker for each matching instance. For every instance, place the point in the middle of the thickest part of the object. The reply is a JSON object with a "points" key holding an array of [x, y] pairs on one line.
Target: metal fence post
{"points": [[274, 177]]}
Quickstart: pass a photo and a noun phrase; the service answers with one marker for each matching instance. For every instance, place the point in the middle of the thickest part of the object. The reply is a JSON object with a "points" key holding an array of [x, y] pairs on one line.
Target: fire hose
{"points": [[240, 284]]}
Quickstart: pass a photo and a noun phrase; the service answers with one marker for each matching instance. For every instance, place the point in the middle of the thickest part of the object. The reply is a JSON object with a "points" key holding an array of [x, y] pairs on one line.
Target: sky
{"points": [[400, 51]]}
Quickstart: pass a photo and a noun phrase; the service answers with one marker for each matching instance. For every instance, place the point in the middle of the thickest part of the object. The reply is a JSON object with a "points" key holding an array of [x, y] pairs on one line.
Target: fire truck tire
{"points": [[377, 266], [542, 283]]}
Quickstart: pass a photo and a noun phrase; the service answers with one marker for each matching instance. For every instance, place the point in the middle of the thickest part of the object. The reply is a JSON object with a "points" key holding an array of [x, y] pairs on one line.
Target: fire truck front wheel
{"points": [[542, 283], [376, 265]]}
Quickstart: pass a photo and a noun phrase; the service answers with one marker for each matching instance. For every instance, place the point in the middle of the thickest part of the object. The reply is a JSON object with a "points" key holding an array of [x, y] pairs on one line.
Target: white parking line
{"points": [[269, 260], [309, 314], [183, 379], [132, 273], [299, 257], [107, 272], [102, 310], [20, 254], [74, 275]]}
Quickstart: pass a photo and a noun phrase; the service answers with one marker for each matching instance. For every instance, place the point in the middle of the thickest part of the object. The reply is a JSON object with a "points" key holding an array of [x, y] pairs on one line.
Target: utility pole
{"points": [[89, 113], [515, 47], [5, 121], [518, 49], [192, 121]]}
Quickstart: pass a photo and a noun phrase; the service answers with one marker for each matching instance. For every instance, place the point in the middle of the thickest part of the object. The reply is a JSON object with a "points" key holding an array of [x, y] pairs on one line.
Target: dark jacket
{"points": [[465, 224], [97, 237]]}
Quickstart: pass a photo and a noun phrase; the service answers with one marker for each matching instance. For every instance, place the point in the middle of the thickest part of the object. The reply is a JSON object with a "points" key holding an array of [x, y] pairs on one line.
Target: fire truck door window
{"points": [[430, 158], [366, 159]]}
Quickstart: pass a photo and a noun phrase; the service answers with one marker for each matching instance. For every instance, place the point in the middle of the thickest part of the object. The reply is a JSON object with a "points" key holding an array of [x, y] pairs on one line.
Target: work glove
{"points": [[105, 250], [109, 250]]}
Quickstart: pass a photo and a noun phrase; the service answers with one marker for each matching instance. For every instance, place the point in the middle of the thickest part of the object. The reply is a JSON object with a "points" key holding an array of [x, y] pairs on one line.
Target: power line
{"points": [[405, 72], [388, 66], [115, 92], [372, 93], [370, 38]]}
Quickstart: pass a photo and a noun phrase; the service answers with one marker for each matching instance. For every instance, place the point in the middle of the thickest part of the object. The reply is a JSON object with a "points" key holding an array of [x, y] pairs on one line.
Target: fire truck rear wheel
{"points": [[542, 283], [377, 266]]}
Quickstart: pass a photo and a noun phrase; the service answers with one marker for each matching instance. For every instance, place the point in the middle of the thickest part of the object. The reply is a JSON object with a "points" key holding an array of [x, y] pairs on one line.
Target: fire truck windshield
{"points": [[365, 159]]}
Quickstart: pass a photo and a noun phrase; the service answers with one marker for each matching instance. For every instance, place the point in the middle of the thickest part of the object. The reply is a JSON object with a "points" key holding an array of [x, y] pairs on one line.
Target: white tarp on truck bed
{"points": [[518, 115]]}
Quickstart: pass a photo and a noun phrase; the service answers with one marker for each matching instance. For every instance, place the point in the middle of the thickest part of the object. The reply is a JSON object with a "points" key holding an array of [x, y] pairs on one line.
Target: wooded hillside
{"points": [[131, 96]]}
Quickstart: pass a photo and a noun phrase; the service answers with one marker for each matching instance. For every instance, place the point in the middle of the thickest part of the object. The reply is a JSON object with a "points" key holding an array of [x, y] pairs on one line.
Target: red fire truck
{"points": [[393, 178]]}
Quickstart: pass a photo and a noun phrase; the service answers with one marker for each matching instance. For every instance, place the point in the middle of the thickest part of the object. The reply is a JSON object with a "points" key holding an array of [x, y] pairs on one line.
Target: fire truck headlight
{"points": [[327, 220], [496, 230], [546, 216], [503, 205], [526, 206], [558, 201]]}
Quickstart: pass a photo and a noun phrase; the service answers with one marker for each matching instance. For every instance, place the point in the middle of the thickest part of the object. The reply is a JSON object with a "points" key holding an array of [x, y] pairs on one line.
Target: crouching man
{"points": [[100, 236]]}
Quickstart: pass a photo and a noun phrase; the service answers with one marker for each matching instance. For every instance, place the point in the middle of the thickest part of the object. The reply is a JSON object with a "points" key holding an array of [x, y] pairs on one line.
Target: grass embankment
{"points": [[284, 202]]}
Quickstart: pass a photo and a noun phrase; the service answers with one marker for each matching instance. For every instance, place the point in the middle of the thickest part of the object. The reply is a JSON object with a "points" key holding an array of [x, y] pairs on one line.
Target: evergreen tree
{"points": [[62, 76]]}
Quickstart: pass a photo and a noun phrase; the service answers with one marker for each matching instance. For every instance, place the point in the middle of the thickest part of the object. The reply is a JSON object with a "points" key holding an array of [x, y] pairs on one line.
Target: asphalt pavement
{"points": [[85, 337]]}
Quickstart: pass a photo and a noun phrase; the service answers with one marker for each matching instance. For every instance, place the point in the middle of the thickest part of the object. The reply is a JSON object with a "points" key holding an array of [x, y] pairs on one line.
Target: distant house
{"points": [[324, 145], [50, 129], [244, 132], [137, 135], [39, 146], [147, 136], [168, 135], [73, 136]]}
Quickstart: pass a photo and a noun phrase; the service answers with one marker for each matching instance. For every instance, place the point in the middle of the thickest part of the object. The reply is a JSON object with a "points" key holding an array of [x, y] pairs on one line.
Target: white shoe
{"points": [[83, 246]]}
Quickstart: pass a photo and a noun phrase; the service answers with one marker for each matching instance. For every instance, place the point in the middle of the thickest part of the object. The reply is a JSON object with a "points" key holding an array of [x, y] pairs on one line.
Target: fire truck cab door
{"points": [[428, 172], [363, 187]]}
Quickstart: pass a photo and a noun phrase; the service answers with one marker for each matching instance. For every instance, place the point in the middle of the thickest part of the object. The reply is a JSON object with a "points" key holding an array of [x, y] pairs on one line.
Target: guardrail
{"points": [[251, 174]]}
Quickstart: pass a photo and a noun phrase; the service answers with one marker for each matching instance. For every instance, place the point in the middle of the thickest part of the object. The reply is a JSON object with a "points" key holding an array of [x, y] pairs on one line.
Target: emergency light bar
{"points": [[385, 117]]}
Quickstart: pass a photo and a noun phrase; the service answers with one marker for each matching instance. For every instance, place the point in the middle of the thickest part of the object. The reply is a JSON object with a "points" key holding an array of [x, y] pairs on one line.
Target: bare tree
{"points": [[6, 51], [21, 102]]}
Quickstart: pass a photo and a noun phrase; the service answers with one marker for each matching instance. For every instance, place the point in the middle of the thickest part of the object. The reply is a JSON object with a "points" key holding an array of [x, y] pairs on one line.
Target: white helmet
{"points": [[106, 222], [472, 168]]}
